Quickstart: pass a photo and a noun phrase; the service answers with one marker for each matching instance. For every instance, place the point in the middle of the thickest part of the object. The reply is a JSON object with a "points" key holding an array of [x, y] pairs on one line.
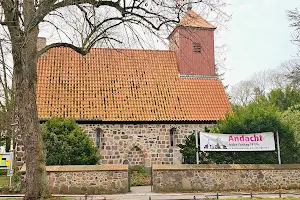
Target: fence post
{"points": [[197, 145], [279, 194], [129, 177], [151, 182]]}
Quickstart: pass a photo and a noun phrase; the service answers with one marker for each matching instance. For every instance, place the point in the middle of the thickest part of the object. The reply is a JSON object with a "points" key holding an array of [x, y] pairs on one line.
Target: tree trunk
{"points": [[25, 62]]}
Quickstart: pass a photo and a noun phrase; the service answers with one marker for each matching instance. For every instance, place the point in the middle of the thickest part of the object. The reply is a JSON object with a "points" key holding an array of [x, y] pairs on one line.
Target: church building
{"points": [[137, 105]]}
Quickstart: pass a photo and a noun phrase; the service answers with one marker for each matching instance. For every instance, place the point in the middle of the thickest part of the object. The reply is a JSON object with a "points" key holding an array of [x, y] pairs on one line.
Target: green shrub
{"points": [[67, 144], [139, 176], [10, 190], [254, 118], [138, 168], [3, 172], [135, 183], [16, 178], [291, 118]]}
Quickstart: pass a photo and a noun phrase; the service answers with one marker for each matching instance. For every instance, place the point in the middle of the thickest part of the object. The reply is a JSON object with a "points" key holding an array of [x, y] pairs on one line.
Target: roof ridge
{"points": [[121, 49], [192, 19]]}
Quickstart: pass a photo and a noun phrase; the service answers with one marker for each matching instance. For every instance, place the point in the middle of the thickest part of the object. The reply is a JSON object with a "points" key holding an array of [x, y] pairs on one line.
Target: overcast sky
{"points": [[258, 37]]}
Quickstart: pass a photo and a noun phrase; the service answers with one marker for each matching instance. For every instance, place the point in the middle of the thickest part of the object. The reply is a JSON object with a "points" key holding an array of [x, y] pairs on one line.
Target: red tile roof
{"points": [[124, 85], [192, 19]]}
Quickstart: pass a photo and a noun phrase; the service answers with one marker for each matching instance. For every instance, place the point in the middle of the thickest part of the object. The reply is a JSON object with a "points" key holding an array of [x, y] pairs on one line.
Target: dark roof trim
{"points": [[82, 121]]}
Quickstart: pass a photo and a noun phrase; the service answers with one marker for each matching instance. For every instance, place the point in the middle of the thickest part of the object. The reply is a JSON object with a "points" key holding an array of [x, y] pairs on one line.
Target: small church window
{"points": [[197, 47], [98, 137], [172, 133]]}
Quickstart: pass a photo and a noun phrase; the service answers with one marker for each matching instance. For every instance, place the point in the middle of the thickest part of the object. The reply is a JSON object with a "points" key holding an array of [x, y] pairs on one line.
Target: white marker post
{"points": [[278, 148], [197, 146]]}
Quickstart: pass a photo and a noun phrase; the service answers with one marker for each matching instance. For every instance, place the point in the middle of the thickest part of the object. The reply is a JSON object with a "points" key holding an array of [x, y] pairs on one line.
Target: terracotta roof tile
{"points": [[192, 19], [124, 85]]}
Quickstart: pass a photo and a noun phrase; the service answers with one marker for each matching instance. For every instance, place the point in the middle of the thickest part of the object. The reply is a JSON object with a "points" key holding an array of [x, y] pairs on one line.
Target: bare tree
{"points": [[260, 84], [242, 93], [277, 77], [100, 19], [294, 64], [7, 97], [292, 72], [294, 17]]}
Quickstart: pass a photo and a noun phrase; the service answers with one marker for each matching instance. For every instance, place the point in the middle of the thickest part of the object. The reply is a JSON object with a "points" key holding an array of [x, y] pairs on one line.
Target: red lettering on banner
{"points": [[243, 138]]}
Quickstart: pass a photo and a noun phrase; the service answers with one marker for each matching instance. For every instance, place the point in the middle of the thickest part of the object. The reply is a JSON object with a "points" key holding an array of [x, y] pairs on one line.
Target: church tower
{"points": [[193, 41]]}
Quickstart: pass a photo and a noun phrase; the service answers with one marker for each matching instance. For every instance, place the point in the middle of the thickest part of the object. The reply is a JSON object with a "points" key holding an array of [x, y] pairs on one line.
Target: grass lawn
{"points": [[259, 198], [4, 180], [283, 198], [53, 198]]}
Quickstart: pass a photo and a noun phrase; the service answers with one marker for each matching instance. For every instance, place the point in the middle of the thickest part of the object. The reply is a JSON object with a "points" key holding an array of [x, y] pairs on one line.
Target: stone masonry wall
{"points": [[153, 140], [218, 178], [118, 140], [93, 179], [19, 153], [136, 156]]}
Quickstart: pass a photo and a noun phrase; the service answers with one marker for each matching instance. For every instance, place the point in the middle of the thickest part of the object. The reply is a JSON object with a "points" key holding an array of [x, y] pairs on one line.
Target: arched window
{"points": [[98, 137], [172, 133]]}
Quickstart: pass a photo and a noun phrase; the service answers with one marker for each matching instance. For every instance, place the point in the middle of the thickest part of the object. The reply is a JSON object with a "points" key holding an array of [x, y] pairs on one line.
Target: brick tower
{"points": [[193, 41]]}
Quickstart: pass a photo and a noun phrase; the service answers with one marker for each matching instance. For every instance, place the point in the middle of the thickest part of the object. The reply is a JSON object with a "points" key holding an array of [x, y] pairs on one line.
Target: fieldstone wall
{"points": [[219, 178], [93, 179], [19, 153], [86, 179], [153, 141], [136, 157]]}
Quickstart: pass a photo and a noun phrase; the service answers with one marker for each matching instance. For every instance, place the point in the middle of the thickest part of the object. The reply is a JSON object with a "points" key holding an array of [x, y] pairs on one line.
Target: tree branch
{"points": [[62, 44], [96, 28], [46, 7], [80, 50]]}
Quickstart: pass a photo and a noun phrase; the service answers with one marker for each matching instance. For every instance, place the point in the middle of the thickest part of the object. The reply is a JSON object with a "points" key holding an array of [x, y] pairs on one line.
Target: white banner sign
{"points": [[237, 142]]}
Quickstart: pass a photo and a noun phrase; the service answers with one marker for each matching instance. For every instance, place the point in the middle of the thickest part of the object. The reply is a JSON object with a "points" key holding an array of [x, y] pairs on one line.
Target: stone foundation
{"points": [[88, 179], [219, 178]]}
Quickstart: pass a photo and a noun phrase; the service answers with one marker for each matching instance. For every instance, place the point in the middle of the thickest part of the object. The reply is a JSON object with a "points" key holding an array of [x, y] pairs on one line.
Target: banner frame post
{"points": [[197, 146], [278, 148]]}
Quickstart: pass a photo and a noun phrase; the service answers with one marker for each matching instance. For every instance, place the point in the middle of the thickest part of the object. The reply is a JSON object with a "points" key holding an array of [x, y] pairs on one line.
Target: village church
{"points": [[137, 105]]}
